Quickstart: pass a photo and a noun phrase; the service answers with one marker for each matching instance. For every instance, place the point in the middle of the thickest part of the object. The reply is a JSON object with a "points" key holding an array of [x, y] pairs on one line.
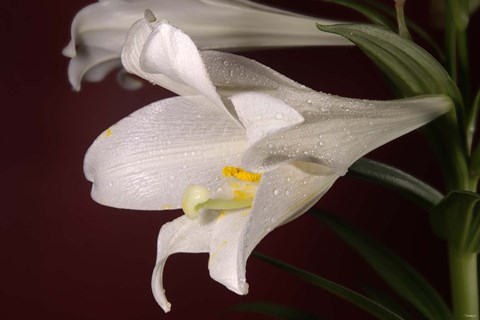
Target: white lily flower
{"points": [[99, 30], [193, 151]]}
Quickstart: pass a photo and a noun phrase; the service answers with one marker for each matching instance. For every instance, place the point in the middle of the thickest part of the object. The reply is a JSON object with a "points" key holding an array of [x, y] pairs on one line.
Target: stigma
{"points": [[197, 197]]}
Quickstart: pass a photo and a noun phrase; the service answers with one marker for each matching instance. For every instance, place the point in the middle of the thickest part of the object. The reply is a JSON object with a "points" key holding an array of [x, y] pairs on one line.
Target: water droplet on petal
{"points": [[279, 116], [276, 192]]}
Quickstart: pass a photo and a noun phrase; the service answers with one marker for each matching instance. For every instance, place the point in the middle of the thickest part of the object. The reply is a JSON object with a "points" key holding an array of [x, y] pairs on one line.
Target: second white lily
{"points": [[99, 30], [243, 151]]}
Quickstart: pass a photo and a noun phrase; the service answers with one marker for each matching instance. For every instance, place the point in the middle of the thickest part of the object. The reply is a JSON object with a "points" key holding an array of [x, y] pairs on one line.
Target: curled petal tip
{"points": [[69, 51]]}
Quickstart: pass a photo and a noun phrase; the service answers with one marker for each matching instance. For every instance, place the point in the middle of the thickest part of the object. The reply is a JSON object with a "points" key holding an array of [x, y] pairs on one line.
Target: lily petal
{"points": [[338, 131], [230, 237], [213, 24], [283, 194], [179, 235], [263, 115], [170, 52], [232, 74], [146, 160], [164, 55], [103, 61]]}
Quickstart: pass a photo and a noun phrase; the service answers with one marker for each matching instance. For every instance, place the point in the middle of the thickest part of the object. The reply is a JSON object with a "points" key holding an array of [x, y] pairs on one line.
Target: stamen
{"points": [[241, 174], [197, 197]]}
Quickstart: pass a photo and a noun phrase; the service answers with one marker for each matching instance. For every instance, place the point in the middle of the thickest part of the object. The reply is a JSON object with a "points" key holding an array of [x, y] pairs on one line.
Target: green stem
{"points": [[464, 282]]}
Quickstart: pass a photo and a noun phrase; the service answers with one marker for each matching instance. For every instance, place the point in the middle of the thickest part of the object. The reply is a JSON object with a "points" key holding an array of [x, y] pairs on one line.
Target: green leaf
{"points": [[387, 301], [375, 309], [377, 8], [457, 219], [371, 14], [400, 275], [397, 180], [412, 69], [274, 310]]}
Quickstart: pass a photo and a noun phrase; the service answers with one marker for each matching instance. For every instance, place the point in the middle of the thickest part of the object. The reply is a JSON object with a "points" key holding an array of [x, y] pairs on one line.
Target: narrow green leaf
{"points": [[387, 301], [400, 275], [409, 66], [371, 14], [397, 180], [379, 8], [457, 219], [375, 309], [274, 310]]}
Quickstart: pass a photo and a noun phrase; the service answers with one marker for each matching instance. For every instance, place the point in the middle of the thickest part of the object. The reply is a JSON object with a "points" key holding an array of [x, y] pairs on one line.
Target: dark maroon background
{"points": [[62, 256]]}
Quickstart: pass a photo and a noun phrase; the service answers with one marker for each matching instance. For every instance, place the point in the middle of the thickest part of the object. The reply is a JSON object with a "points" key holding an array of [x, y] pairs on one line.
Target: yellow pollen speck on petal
{"points": [[224, 243], [241, 174], [241, 195], [221, 215], [108, 132], [167, 207]]}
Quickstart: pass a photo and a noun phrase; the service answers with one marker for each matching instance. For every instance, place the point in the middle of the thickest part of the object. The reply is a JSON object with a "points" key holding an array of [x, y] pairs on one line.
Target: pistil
{"points": [[197, 197]]}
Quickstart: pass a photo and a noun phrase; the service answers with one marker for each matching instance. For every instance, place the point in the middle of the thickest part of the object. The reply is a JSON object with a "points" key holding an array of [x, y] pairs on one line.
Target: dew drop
{"points": [[279, 116], [276, 192], [287, 193], [309, 101]]}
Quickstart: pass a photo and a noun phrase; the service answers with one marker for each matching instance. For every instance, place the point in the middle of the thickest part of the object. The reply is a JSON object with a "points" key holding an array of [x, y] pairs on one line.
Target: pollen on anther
{"points": [[241, 174]]}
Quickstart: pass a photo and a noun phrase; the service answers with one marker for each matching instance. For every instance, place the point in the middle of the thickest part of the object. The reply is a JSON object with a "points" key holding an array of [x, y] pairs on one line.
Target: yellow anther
{"points": [[241, 174]]}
